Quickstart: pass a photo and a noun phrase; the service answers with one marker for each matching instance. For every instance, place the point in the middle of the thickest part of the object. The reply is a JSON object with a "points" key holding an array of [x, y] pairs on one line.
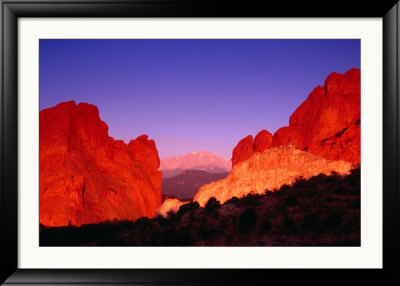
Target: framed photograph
{"points": [[198, 142]]}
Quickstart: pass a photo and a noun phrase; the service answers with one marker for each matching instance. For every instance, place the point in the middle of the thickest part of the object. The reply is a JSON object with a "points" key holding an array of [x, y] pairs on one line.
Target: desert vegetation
{"points": [[321, 211]]}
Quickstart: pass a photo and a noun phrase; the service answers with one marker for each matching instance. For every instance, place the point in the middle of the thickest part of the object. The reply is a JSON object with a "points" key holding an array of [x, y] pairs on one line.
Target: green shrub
{"points": [[284, 188], [340, 190], [266, 225], [332, 221], [251, 200], [172, 216], [311, 223], [356, 204], [212, 204], [247, 218], [188, 207], [234, 200], [291, 199], [300, 182], [288, 224]]}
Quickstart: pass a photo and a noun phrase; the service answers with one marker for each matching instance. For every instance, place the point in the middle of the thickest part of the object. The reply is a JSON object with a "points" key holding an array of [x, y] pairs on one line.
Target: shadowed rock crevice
{"points": [[83, 194]]}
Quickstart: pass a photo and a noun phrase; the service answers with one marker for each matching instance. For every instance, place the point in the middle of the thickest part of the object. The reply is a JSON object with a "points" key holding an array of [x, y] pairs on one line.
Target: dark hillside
{"points": [[321, 211]]}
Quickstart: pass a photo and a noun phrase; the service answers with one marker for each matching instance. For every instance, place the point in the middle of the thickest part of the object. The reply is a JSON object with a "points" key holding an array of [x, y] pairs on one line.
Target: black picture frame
{"points": [[14, 9]]}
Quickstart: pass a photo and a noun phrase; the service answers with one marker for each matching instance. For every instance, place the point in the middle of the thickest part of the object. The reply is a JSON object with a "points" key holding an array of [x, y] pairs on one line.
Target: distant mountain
{"points": [[185, 185], [209, 169], [202, 160]]}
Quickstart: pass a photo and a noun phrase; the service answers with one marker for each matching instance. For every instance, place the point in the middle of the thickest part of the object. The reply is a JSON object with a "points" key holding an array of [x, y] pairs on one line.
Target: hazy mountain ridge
{"points": [[201, 160], [209, 169], [185, 185]]}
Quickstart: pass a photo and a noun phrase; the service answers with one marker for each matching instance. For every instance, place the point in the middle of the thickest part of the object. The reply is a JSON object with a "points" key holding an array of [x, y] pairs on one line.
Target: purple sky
{"points": [[190, 95]]}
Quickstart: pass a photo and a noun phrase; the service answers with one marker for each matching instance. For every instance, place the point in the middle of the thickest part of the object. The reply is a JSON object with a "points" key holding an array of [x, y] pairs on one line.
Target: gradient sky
{"points": [[190, 95]]}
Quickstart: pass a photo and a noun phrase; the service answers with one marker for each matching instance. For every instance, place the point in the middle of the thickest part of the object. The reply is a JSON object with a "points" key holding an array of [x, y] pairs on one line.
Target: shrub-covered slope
{"points": [[321, 211]]}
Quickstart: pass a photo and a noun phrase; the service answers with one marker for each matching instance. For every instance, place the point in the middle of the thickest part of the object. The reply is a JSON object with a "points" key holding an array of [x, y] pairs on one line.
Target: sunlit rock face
{"points": [[269, 170], [88, 177], [344, 145], [170, 205], [262, 141], [327, 123], [247, 146], [243, 150]]}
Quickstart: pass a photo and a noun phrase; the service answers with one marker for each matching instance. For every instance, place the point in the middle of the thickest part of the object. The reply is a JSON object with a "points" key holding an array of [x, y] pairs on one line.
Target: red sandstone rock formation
{"points": [[269, 170], [170, 205], [246, 147], [323, 136], [327, 123], [262, 141], [243, 150], [86, 176]]}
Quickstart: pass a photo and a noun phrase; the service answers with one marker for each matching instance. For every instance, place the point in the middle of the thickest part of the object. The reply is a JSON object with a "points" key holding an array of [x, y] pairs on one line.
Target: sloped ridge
{"points": [[269, 170]]}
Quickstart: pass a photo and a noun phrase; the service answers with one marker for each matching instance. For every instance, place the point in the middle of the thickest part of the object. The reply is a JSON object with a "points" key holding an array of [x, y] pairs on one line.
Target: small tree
{"points": [[212, 204], [188, 207], [234, 200]]}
